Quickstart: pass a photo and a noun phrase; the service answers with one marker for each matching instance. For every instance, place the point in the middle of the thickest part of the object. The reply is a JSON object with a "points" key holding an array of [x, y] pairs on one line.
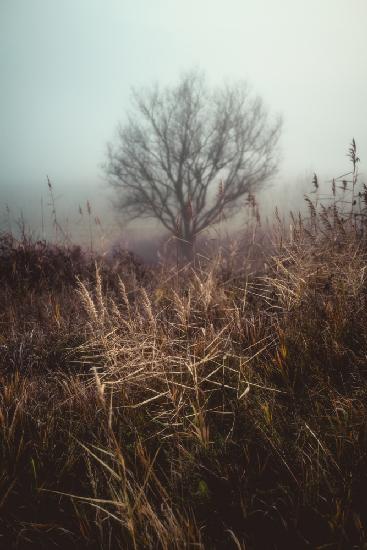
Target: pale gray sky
{"points": [[67, 67]]}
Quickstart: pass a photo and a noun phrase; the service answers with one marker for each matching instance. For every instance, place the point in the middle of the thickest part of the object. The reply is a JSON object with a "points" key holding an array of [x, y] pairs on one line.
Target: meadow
{"points": [[217, 404]]}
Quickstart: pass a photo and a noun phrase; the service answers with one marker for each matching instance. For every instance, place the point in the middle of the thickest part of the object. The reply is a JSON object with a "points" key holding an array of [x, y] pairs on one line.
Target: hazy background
{"points": [[67, 67]]}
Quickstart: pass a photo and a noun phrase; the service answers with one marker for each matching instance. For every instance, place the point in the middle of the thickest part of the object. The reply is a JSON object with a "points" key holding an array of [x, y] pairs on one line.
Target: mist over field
{"points": [[68, 69]]}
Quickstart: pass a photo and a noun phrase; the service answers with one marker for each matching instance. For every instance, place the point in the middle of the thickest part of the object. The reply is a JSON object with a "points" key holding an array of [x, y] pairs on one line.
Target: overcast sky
{"points": [[67, 67]]}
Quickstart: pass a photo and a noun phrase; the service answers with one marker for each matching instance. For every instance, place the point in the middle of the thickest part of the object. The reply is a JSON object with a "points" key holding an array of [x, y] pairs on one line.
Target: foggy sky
{"points": [[67, 67]]}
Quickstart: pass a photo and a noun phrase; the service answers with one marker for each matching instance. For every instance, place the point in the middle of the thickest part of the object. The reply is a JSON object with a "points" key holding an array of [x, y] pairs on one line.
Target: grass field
{"points": [[215, 405]]}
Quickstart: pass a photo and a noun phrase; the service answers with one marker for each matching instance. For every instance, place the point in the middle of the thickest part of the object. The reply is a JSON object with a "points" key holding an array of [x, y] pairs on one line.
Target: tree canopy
{"points": [[188, 153]]}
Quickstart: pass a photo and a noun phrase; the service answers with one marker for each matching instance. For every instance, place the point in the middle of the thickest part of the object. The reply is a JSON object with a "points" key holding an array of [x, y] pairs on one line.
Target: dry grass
{"points": [[209, 407]]}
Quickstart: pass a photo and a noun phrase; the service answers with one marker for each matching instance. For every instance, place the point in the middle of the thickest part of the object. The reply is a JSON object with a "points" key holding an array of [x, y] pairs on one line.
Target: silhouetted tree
{"points": [[178, 142]]}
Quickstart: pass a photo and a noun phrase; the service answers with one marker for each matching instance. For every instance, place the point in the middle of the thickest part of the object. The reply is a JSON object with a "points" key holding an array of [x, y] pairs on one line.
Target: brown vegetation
{"points": [[195, 407]]}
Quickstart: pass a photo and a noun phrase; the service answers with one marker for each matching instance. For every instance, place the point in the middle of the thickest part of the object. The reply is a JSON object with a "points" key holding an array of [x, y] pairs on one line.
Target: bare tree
{"points": [[178, 142]]}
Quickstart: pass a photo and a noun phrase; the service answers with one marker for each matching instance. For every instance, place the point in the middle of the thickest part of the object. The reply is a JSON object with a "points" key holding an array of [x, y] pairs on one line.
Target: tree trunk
{"points": [[188, 237], [187, 249]]}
